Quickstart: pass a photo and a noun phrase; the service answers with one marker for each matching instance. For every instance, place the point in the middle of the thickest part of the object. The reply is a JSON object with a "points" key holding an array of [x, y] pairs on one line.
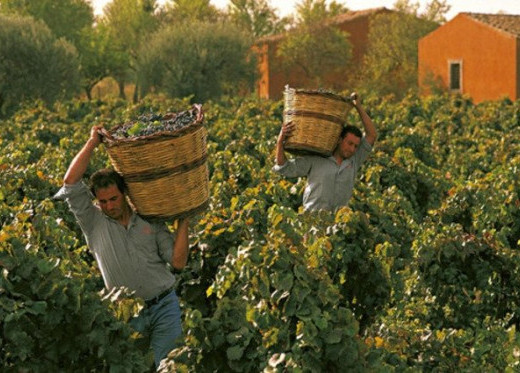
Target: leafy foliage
{"points": [[66, 18], [201, 59], [127, 23], [314, 48], [390, 64], [187, 11], [256, 16], [37, 66], [419, 273], [52, 314]]}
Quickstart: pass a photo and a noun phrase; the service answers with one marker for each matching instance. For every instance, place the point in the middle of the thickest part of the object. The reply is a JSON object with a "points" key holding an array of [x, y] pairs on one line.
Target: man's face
{"points": [[112, 202], [348, 145]]}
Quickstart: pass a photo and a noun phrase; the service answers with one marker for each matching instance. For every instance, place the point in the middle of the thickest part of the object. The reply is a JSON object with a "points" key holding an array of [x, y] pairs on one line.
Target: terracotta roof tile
{"points": [[509, 23]]}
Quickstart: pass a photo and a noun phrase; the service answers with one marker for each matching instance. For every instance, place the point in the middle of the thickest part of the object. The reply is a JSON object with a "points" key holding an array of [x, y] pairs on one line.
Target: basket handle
{"points": [[353, 97], [104, 134]]}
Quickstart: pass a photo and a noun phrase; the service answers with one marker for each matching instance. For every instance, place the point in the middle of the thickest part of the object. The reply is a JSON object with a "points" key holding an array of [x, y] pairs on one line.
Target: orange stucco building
{"points": [[273, 79], [474, 54]]}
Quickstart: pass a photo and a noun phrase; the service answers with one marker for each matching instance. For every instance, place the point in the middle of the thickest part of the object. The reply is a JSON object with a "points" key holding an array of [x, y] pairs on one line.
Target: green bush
{"points": [[419, 273], [35, 65]]}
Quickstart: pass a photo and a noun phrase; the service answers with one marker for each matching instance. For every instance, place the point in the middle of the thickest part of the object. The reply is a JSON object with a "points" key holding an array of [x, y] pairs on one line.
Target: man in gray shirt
{"points": [[130, 251], [330, 180]]}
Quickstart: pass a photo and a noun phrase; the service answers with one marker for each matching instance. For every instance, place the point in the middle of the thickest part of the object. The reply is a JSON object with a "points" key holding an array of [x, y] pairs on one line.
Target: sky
{"points": [[286, 7]]}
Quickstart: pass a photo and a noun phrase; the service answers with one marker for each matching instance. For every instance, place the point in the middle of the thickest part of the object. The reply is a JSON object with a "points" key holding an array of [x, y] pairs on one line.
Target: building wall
{"points": [[262, 84], [273, 78], [517, 75], [358, 29], [489, 59]]}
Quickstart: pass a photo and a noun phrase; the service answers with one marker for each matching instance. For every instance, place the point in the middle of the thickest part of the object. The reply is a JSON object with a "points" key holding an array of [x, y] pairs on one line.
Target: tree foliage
{"points": [[201, 59], [256, 16], [37, 65], [98, 55], [183, 11], [434, 10], [390, 65], [313, 47], [65, 18], [74, 21], [310, 12], [128, 23]]}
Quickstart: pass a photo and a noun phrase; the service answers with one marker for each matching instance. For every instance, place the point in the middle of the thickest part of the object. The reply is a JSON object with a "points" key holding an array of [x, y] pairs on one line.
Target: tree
{"points": [[99, 57], [256, 16], [74, 21], [128, 23], [436, 11], [34, 64], [65, 18], [201, 59], [313, 47], [390, 65], [181, 11], [310, 12]]}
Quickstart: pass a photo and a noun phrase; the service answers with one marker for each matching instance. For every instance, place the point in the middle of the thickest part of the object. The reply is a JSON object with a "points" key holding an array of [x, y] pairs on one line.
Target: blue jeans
{"points": [[162, 324]]}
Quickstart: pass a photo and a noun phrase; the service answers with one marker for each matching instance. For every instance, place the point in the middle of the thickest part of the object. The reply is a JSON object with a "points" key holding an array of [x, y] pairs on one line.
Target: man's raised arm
{"points": [[79, 164], [286, 130], [181, 245], [370, 128]]}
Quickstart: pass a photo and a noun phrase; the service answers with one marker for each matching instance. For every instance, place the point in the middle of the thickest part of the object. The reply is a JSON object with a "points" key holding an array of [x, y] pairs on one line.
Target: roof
{"points": [[509, 23], [354, 14], [339, 19]]}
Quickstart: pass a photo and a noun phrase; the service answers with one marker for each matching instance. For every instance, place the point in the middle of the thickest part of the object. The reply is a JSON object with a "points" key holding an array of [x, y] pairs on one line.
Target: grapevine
{"points": [[152, 123], [418, 273]]}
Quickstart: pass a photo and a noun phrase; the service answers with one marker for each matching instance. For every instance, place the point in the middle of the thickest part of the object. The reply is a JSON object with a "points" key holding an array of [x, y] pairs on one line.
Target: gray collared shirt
{"points": [[136, 257], [329, 185]]}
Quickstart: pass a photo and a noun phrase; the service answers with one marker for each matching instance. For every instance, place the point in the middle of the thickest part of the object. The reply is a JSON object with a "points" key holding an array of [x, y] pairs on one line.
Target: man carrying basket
{"points": [[130, 251], [330, 180]]}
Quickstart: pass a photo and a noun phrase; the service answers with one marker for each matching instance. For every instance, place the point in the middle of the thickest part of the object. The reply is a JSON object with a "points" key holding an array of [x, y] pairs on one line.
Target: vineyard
{"points": [[419, 273]]}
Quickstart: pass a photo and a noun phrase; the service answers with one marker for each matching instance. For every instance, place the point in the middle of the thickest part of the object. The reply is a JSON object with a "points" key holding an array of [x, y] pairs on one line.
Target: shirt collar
{"points": [[131, 221], [343, 163]]}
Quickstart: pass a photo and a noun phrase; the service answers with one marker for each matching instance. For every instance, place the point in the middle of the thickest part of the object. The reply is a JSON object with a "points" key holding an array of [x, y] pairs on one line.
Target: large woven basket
{"points": [[318, 117], [166, 173]]}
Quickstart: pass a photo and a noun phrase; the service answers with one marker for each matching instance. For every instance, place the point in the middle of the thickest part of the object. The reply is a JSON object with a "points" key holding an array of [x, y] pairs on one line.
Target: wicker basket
{"points": [[166, 173], [318, 117]]}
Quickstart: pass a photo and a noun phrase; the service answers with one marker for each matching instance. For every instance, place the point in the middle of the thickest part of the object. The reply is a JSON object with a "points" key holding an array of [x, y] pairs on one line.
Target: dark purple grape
{"points": [[150, 123]]}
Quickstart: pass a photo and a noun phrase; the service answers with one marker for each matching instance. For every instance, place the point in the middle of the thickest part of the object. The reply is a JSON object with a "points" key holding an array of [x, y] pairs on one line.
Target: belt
{"points": [[153, 301]]}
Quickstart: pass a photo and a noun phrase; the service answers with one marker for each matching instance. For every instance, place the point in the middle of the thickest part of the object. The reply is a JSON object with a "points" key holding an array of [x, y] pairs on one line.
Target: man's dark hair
{"points": [[351, 129], [104, 178]]}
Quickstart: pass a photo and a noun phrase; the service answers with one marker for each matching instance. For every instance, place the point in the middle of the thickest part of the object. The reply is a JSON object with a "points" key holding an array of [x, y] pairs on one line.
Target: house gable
{"points": [[483, 47]]}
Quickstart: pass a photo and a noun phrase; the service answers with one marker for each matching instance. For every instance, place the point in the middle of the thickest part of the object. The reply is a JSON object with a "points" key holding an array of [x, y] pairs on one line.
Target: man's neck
{"points": [[337, 156], [125, 218]]}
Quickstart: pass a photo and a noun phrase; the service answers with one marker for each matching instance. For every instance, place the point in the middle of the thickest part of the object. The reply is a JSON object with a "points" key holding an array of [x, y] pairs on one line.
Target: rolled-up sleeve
{"points": [[362, 153], [165, 240], [296, 167], [79, 199]]}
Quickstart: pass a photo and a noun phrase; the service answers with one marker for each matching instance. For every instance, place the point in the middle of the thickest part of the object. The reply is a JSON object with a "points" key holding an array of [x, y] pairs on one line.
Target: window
{"points": [[455, 71]]}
